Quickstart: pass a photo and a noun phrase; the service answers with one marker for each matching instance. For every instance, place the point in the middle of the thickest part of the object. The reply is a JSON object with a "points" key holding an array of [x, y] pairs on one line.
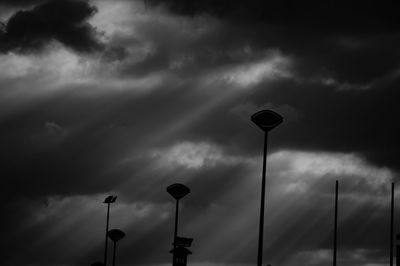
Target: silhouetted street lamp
{"points": [[177, 191], [108, 201], [266, 120], [115, 235]]}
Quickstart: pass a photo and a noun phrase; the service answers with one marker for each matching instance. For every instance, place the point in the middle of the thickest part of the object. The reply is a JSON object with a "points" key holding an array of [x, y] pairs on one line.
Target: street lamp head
{"points": [[110, 199], [178, 191], [115, 235], [266, 119]]}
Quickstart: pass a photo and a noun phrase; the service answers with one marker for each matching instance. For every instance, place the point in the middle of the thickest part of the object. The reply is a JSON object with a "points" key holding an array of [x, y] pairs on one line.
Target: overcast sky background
{"points": [[126, 97]]}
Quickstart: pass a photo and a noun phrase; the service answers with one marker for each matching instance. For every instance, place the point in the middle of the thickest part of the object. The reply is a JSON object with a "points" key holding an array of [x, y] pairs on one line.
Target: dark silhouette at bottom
{"points": [[180, 256]]}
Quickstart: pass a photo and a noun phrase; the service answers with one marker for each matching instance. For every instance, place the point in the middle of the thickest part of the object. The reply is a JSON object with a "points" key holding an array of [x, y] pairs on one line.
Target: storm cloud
{"points": [[329, 14], [62, 21]]}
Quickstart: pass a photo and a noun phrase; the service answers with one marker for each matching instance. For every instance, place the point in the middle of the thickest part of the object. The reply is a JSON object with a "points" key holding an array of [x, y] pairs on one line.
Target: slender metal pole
{"points": [[397, 251], [115, 248], [176, 221], [335, 230], [106, 242], [261, 228], [176, 229], [391, 225]]}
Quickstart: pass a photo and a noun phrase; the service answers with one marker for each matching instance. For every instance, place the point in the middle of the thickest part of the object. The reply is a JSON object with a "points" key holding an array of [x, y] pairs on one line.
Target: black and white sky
{"points": [[118, 97]]}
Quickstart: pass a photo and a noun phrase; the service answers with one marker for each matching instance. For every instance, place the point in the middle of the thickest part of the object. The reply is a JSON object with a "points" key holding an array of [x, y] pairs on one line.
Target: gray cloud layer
{"points": [[67, 139]]}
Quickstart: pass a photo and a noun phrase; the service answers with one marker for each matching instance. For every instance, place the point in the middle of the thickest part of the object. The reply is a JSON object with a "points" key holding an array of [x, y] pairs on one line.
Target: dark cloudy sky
{"points": [[126, 97]]}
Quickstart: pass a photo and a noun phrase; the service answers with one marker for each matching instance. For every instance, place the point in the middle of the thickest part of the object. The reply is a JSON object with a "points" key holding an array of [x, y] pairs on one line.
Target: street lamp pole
{"points": [[391, 225], [176, 222], [106, 241], [266, 120], [108, 201], [262, 205], [114, 252], [335, 224]]}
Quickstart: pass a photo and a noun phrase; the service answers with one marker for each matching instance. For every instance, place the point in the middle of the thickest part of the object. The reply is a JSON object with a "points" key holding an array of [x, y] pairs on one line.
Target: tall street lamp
{"points": [[115, 235], [266, 120], [177, 191], [108, 201]]}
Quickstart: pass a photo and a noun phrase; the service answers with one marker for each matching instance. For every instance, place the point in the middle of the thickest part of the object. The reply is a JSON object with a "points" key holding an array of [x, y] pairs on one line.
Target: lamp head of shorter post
{"points": [[110, 199], [115, 235], [266, 119], [178, 191]]}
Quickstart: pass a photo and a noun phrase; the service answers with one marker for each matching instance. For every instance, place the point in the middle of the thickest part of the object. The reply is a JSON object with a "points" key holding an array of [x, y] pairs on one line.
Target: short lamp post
{"points": [[266, 120], [115, 235]]}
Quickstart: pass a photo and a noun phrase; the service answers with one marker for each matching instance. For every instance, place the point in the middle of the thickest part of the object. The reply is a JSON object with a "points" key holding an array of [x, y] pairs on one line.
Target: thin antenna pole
{"points": [[335, 229], [391, 225]]}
